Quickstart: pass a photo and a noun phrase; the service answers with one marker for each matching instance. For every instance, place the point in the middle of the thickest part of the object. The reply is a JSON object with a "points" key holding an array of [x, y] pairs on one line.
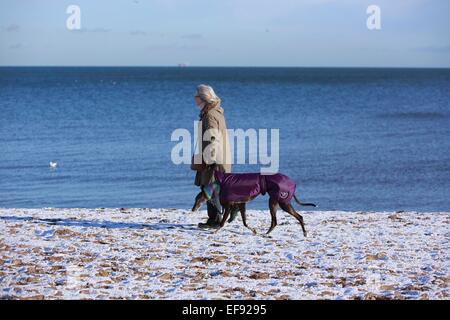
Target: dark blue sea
{"points": [[352, 139]]}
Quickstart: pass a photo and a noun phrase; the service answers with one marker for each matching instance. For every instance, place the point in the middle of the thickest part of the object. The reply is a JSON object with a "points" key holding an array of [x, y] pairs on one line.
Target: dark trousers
{"points": [[214, 209]]}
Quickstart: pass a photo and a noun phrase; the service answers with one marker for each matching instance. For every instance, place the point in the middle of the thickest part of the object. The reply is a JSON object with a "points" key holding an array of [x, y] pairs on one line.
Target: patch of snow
{"points": [[161, 254]]}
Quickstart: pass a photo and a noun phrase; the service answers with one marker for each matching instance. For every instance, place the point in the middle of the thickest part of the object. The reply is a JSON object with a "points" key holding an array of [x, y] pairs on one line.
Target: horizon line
{"points": [[219, 66]]}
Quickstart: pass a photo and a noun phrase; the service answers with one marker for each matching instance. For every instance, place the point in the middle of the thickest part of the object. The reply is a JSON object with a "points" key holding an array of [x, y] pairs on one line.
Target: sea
{"points": [[360, 139]]}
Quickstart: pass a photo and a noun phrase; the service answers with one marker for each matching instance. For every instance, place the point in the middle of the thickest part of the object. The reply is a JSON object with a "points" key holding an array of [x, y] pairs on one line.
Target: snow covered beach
{"points": [[161, 254]]}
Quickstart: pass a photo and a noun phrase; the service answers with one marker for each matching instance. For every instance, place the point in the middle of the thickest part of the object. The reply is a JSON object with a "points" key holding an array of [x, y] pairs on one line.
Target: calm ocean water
{"points": [[353, 139]]}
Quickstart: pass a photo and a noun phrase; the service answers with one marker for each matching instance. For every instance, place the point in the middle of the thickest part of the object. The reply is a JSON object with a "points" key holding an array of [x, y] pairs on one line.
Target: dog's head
{"points": [[199, 200]]}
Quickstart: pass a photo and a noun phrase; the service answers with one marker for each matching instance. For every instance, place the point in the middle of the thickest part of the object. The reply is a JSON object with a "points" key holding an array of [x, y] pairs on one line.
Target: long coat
{"points": [[213, 128]]}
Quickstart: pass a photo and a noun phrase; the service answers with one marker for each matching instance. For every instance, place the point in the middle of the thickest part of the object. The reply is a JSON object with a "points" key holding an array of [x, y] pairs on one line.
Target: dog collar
{"points": [[211, 188]]}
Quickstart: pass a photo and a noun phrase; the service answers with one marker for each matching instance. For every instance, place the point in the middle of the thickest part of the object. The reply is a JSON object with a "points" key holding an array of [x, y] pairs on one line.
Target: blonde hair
{"points": [[207, 94]]}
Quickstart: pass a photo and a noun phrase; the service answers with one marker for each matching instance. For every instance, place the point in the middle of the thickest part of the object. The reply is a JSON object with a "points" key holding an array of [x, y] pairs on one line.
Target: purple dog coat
{"points": [[236, 187]]}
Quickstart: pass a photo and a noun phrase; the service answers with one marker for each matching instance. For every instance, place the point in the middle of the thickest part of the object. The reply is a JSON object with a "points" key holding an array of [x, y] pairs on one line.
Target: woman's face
{"points": [[198, 101]]}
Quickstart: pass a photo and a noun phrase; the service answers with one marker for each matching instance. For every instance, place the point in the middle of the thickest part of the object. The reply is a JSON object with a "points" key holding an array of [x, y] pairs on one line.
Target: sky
{"points": [[304, 33]]}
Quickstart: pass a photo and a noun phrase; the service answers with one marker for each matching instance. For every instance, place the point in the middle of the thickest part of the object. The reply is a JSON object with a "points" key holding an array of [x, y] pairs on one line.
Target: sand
{"points": [[161, 254]]}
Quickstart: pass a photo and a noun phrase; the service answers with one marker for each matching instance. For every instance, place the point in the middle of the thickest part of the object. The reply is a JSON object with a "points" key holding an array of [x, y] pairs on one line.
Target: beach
{"points": [[140, 253]]}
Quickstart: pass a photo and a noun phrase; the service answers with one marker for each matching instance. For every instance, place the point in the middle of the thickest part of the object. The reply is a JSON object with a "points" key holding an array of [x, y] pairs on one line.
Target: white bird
{"points": [[53, 164]]}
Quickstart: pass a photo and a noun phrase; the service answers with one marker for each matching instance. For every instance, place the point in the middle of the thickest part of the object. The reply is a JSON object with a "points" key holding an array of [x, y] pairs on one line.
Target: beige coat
{"points": [[213, 129]]}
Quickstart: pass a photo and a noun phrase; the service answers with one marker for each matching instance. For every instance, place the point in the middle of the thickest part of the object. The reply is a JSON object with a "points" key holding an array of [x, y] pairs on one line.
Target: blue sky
{"points": [[414, 33]]}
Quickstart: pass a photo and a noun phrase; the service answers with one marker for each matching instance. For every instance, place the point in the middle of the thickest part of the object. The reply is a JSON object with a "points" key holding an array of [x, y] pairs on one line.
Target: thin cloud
{"points": [[138, 33], [16, 46], [433, 49], [175, 47], [192, 36], [12, 28], [93, 30]]}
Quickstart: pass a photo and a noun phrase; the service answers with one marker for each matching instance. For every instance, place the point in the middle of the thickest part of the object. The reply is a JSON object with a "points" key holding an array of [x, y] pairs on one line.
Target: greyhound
{"points": [[236, 189]]}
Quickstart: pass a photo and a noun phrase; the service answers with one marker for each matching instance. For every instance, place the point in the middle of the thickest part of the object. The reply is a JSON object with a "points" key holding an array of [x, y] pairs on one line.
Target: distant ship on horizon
{"points": [[183, 64]]}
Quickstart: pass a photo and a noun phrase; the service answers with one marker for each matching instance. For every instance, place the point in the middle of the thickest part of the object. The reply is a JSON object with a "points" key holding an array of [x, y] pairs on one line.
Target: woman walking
{"points": [[214, 148]]}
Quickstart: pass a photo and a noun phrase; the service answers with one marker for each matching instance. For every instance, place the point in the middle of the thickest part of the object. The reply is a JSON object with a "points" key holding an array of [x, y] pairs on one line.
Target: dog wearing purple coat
{"points": [[236, 189]]}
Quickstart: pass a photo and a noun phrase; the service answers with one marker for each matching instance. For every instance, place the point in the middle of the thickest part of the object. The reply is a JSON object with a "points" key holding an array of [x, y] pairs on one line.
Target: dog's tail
{"points": [[303, 204]]}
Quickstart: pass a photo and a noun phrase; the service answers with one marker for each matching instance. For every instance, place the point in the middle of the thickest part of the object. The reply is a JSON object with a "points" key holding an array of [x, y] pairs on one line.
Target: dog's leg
{"points": [[290, 209], [273, 206], [199, 199], [225, 217], [244, 217]]}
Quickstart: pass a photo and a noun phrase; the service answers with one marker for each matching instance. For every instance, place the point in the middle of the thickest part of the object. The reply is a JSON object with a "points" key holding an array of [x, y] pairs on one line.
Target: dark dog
{"points": [[233, 194]]}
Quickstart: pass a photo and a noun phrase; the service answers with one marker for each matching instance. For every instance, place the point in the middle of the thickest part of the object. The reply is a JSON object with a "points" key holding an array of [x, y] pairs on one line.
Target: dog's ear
{"points": [[199, 199]]}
